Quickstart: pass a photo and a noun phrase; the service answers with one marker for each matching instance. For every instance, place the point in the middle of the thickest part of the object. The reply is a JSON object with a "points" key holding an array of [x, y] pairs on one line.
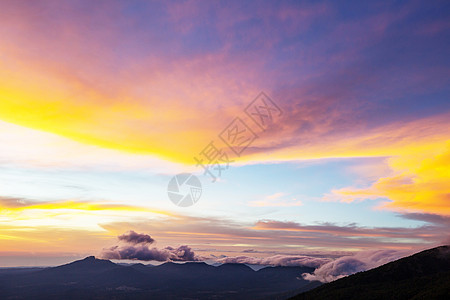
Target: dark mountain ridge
{"points": [[93, 278], [425, 275]]}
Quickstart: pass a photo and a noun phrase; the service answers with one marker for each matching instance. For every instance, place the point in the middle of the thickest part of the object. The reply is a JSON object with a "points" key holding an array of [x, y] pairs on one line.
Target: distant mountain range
{"points": [[425, 275], [93, 278]]}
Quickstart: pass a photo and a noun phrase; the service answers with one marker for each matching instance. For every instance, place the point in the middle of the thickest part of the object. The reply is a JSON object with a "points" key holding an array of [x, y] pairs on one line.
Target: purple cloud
{"points": [[136, 238], [135, 246]]}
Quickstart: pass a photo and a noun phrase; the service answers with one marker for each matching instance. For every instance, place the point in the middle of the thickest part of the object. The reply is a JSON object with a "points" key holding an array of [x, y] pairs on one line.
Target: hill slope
{"points": [[425, 275]]}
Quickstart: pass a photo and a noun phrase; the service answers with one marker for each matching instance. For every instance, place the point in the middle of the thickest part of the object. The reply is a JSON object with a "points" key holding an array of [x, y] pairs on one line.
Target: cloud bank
{"points": [[135, 246], [348, 265], [278, 260]]}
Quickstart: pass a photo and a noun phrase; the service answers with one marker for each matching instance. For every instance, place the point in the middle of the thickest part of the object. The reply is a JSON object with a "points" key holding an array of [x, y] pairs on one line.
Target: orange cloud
{"points": [[418, 182], [156, 122], [149, 105]]}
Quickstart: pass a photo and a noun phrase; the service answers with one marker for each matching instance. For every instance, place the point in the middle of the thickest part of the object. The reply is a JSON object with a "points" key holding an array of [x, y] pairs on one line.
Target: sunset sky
{"points": [[103, 102]]}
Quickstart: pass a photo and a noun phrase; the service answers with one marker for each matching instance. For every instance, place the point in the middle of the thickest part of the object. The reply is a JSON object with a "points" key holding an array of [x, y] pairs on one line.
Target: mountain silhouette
{"points": [[92, 278], [425, 275]]}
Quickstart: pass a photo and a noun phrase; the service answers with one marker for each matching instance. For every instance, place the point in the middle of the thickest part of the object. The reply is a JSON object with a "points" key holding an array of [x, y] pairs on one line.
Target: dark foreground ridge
{"points": [[93, 278], [425, 275]]}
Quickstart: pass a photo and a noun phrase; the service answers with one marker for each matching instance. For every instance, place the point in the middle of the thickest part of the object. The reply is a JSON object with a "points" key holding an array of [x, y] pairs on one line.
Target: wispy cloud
{"points": [[276, 235], [109, 219], [279, 199]]}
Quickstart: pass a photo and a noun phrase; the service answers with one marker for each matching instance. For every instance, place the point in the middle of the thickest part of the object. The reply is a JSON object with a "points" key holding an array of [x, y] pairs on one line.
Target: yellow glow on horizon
{"points": [[73, 215]]}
